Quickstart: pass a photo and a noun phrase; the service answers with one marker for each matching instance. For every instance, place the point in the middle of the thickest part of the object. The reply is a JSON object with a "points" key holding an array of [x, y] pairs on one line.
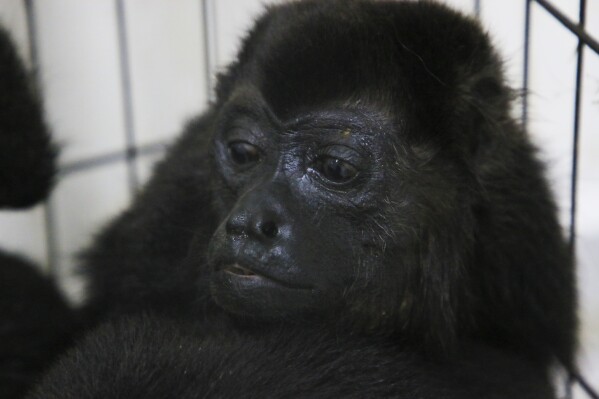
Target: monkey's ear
{"points": [[26, 152]]}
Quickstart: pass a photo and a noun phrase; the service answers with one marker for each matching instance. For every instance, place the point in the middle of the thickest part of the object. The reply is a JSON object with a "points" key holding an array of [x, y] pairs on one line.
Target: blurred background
{"points": [[119, 78]]}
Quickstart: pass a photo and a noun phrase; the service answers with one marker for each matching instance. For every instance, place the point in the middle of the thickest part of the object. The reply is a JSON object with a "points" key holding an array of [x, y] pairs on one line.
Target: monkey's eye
{"points": [[335, 169], [243, 153]]}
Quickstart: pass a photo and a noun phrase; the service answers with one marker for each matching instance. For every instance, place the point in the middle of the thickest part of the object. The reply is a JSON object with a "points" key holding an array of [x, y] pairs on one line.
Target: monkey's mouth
{"points": [[259, 294], [245, 276], [238, 270]]}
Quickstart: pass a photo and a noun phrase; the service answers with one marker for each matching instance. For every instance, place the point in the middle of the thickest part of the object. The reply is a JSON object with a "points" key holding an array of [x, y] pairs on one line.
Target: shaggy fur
{"points": [[36, 325], [26, 155], [150, 357], [35, 322]]}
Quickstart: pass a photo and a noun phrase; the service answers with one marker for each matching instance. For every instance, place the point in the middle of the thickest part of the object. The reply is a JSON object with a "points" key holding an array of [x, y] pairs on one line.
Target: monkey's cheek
{"points": [[260, 297]]}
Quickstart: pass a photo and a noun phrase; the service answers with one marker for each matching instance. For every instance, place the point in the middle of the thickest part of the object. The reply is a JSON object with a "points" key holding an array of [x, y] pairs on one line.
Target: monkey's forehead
{"points": [[305, 54], [342, 115]]}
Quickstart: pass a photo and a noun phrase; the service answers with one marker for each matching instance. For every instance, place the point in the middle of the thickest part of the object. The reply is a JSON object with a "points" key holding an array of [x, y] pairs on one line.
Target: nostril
{"points": [[269, 229], [235, 224]]}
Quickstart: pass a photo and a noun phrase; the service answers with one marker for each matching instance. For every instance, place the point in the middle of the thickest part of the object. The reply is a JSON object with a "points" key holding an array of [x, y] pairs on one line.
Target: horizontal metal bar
{"points": [[106, 159]]}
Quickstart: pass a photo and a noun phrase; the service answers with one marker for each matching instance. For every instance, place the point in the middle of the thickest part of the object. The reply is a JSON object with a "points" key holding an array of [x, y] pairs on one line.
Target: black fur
{"points": [[26, 154], [149, 357], [36, 324], [443, 260]]}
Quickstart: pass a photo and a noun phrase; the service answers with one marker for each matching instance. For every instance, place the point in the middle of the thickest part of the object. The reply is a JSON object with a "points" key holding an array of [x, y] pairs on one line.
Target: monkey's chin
{"points": [[244, 293]]}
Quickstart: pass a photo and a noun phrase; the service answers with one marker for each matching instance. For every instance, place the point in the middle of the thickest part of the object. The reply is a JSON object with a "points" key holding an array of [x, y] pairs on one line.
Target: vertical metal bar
{"points": [[131, 151], [32, 36], [477, 9], [575, 144], [576, 133], [210, 50], [49, 212], [525, 67], [51, 239]]}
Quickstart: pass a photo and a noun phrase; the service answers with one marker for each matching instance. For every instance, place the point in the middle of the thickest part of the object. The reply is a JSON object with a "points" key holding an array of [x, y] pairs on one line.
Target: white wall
{"points": [[170, 80]]}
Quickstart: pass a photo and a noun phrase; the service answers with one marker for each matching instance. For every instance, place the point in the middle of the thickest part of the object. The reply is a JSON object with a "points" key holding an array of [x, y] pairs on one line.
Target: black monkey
{"points": [[359, 171], [36, 324], [360, 163]]}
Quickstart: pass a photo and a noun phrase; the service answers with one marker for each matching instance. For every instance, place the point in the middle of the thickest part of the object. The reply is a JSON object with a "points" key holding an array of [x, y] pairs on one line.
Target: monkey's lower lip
{"points": [[238, 270], [245, 276]]}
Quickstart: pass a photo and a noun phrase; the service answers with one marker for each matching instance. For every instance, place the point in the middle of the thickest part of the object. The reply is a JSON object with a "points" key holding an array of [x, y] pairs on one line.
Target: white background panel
{"points": [[81, 205], [80, 75], [506, 27], [466, 6], [166, 53], [592, 24], [146, 164], [23, 232], [551, 99], [588, 212], [233, 19]]}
